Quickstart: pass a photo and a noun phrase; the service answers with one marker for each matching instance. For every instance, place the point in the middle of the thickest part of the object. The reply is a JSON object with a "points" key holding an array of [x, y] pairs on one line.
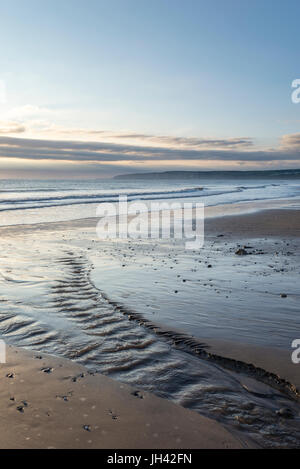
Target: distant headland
{"points": [[269, 174]]}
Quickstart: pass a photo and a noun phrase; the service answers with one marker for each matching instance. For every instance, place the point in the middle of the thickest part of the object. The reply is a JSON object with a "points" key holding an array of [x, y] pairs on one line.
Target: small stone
{"points": [[245, 419], [87, 428], [256, 387], [113, 416], [64, 398], [241, 252], [285, 412], [283, 295], [47, 370], [138, 394]]}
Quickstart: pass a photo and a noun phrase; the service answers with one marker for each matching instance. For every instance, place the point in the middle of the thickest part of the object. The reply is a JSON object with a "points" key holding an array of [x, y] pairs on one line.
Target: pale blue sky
{"points": [[213, 69]]}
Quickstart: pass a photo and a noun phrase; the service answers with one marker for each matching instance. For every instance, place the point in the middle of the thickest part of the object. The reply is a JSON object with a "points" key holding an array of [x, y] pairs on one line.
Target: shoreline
{"points": [[213, 214], [234, 225]]}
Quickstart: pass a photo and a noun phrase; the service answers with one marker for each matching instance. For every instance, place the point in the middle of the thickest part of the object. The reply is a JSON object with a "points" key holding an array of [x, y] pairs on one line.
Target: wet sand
{"points": [[275, 360], [269, 224], [48, 402], [264, 229], [273, 223]]}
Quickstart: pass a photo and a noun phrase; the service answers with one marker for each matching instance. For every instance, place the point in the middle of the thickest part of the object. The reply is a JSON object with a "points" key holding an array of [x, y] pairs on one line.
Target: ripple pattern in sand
{"points": [[77, 321]]}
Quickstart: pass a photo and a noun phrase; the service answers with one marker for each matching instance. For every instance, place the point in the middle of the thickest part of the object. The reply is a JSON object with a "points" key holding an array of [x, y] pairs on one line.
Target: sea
{"points": [[39, 201]]}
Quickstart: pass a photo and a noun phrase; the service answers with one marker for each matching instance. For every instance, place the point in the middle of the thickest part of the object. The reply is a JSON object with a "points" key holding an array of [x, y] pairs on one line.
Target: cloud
{"points": [[8, 127], [40, 120], [89, 158], [36, 137], [290, 141], [163, 140], [29, 110], [190, 141], [68, 150]]}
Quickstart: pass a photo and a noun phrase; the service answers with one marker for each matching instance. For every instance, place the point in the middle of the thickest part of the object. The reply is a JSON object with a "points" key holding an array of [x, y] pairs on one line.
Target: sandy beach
{"points": [[47, 402], [247, 387]]}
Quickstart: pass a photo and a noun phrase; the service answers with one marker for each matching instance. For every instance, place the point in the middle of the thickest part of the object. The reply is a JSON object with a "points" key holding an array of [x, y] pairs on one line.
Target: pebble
{"points": [[285, 412], [241, 252], [256, 387], [138, 394], [47, 370]]}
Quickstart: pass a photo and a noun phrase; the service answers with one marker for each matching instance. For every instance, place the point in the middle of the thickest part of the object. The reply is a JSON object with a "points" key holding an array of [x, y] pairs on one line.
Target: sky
{"points": [[97, 88]]}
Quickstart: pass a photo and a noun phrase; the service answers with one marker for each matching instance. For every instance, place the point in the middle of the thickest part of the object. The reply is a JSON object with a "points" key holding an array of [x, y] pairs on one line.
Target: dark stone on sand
{"points": [[138, 394], [75, 378], [64, 398], [283, 295], [10, 375], [241, 252], [113, 416], [47, 370], [209, 266]]}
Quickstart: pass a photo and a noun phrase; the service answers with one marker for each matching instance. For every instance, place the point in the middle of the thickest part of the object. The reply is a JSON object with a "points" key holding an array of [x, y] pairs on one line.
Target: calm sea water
{"points": [[34, 201]]}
